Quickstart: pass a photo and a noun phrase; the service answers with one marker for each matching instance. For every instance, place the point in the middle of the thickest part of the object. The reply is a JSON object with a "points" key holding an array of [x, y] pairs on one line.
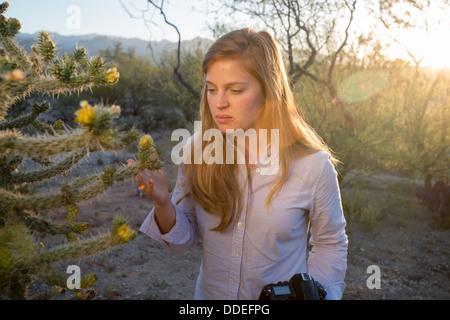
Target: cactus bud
{"points": [[115, 109], [72, 212], [95, 66], [57, 126], [9, 27], [108, 176], [88, 281], [72, 238], [80, 227], [14, 26], [146, 142], [16, 75], [79, 54], [3, 7]]}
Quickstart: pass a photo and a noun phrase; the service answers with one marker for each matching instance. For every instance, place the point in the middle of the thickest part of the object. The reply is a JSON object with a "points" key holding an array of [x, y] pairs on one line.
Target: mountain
{"points": [[93, 43]]}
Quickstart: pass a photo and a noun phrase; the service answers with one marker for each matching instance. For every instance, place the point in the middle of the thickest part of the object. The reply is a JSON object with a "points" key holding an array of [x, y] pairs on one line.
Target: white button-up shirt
{"points": [[266, 246]]}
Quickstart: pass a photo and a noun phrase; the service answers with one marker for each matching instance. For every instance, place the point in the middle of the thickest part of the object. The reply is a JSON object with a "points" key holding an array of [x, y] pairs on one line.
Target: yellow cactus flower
{"points": [[85, 115], [124, 233], [146, 141], [112, 76]]}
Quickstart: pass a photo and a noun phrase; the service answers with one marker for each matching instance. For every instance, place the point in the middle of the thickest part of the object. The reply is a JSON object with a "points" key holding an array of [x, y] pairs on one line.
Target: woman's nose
{"points": [[221, 100]]}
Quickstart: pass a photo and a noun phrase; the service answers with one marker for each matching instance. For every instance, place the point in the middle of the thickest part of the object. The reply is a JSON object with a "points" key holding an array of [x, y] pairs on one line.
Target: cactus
{"points": [[24, 211]]}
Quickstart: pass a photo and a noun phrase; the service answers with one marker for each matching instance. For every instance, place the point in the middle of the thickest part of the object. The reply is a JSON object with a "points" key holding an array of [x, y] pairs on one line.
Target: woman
{"points": [[253, 227]]}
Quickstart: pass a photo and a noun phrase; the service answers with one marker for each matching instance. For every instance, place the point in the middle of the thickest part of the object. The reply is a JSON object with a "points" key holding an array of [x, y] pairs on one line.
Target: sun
{"points": [[428, 47], [437, 48], [426, 40]]}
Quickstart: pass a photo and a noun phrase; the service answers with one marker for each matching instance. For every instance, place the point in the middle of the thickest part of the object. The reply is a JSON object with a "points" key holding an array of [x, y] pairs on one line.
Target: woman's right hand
{"points": [[154, 184]]}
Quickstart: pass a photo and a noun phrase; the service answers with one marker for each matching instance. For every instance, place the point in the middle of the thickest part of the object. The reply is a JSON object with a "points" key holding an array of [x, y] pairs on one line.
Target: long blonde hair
{"points": [[214, 186]]}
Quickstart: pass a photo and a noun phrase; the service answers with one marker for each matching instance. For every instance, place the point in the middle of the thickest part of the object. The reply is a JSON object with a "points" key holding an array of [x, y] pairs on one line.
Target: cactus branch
{"points": [[48, 172], [25, 119], [13, 49], [77, 194], [75, 250]]}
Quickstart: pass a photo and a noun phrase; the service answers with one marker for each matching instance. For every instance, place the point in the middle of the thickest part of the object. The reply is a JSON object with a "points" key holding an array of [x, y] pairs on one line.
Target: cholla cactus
{"points": [[24, 213]]}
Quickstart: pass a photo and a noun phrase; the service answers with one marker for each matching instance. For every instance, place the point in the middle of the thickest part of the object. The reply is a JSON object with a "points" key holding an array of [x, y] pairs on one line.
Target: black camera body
{"points": [[300, 287]]}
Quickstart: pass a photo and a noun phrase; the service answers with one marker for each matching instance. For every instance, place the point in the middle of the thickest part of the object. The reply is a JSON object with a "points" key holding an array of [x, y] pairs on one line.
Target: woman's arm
{"points": [[327, 261], [173, 225]]}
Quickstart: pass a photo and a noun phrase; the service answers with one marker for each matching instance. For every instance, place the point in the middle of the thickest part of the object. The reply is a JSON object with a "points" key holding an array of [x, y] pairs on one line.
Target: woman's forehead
{"points": [[231, 71]]}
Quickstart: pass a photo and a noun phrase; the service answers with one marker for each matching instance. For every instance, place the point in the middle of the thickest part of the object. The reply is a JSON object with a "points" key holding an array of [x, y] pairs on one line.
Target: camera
{"points": [[300, 287]]}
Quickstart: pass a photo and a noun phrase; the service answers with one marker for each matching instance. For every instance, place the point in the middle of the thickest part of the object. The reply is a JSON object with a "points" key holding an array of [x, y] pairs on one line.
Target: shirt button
{"points": [[258, 169], [237, 252], [234, 279], [239, 224]]}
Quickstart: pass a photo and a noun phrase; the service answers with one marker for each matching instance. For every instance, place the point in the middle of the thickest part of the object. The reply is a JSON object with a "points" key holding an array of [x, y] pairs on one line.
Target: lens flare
{"points": [[362, 85]]}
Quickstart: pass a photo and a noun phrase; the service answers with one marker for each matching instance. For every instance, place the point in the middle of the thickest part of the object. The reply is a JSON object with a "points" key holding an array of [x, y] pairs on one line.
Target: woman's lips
{"points": [[221, 118]]}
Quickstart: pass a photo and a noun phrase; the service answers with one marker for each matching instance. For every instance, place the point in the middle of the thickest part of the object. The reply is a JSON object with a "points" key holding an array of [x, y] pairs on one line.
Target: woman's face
{"points": [[234, 95]]}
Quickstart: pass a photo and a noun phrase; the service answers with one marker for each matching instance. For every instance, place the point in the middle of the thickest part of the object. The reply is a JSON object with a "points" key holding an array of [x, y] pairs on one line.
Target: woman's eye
{"points": [[237, 91], [209, 90]]}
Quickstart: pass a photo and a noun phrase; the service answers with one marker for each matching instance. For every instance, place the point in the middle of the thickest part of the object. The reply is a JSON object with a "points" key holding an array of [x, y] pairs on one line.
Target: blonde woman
{"points": [[253, 226]]}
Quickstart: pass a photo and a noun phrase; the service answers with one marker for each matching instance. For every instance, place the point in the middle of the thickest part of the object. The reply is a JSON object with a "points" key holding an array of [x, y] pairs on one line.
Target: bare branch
{"points": [[160, 8], [177, 73], [344, 42]]}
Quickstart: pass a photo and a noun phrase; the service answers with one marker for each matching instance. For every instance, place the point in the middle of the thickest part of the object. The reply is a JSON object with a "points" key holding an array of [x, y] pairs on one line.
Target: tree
{"points": [[24, 211], [424, 105]]}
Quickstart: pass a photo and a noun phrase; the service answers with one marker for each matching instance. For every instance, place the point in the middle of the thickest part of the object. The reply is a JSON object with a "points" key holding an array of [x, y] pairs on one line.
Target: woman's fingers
{"points": [[147, 179]]}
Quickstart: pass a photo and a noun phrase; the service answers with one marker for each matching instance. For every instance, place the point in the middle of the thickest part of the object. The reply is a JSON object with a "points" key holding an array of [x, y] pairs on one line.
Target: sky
{"points": [[124, 18], [110, 17]]}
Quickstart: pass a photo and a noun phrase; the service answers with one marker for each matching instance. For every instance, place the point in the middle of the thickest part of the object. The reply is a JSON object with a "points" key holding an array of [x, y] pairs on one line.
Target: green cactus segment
{"points": [[26, 119], [99, 138], [76, 192], [46, 48], [76, 250], [45, 226], [12, 48], [148, 157], [45, 173], [72, 212]]}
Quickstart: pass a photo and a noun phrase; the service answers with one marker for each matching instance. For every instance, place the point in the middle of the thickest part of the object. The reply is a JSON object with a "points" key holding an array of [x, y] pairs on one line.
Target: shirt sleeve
{"points": [[327, 262], [184, 234]]}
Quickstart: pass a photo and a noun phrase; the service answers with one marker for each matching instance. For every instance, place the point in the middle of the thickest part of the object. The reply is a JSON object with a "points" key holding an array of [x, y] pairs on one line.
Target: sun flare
{"points": [[428, 41]]}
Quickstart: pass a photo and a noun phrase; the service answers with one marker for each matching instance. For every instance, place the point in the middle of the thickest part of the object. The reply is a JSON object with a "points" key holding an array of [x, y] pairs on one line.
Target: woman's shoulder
{"points": [[310, 167], [314, 159]]}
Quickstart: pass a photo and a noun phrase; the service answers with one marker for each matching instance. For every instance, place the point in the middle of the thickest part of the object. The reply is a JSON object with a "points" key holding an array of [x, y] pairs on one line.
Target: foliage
{"points": [[146, 83], [422, 135], [133, 89], [25, 213]]}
